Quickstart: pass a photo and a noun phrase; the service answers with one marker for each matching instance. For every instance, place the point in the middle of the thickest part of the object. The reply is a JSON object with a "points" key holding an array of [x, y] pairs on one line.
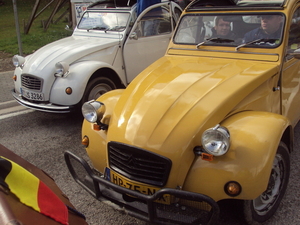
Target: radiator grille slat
{"points": [[31, 82], [138, 164]]}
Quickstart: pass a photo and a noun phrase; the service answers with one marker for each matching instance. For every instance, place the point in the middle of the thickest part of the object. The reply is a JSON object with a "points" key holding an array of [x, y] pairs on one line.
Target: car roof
{"points": [[112, 4], [236, 4]]}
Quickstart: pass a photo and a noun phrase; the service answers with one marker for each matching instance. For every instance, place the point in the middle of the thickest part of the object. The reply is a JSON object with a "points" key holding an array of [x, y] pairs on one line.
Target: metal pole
{"points": [[17, 27]]}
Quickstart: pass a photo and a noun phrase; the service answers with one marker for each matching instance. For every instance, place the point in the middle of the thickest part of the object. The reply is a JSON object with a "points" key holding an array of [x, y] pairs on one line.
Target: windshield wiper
{"points": [[216, 40], [117, 28], [263, 40], [98, 28]]}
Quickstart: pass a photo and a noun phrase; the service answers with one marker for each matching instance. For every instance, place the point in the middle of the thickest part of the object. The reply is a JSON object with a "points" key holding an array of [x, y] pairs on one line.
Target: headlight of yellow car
{"points": [[216, 140], [93, 111]]}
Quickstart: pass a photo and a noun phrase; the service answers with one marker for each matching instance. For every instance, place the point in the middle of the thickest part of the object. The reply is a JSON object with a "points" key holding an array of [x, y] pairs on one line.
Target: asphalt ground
{"points": [[6, 85], [7, 102]]}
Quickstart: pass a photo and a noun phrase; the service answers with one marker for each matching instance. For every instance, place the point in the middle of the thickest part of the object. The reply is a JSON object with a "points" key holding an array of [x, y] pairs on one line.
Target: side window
{"points": [[155, 22], [294, 32]]}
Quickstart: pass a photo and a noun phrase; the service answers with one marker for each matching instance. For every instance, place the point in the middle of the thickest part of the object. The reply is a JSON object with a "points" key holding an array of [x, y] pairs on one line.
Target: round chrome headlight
{"points": [[18, 60], [93, 111], [61, 68], [216, 140]]}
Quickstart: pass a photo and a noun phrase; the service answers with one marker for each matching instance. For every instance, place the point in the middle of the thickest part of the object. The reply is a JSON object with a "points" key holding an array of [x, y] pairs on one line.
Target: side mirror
{"points": [[67, 27], [133, 35]]}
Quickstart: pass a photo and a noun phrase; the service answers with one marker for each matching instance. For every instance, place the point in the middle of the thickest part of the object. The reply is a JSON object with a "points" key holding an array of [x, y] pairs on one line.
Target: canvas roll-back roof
{"points": [[112, 3]]}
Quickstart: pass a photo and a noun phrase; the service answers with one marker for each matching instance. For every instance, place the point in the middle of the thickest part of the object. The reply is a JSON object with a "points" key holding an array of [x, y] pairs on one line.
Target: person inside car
{"points": [[222, 28], [269, 29]]}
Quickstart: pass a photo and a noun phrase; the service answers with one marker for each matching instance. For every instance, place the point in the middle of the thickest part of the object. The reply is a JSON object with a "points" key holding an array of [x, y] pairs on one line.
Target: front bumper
{"points": [[42, 106], [186, 207]]}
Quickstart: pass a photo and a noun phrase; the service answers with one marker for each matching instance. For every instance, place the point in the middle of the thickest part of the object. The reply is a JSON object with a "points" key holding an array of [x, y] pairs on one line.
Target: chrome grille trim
{"points": [[138, 164], [31, 82]]}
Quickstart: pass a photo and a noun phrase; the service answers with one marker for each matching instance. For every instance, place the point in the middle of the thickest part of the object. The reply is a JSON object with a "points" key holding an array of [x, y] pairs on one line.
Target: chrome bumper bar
{"points": [[42, 106]]}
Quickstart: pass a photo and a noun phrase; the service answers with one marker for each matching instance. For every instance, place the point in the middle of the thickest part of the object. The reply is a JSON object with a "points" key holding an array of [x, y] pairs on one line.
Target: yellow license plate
{"points": [[147, 190]]}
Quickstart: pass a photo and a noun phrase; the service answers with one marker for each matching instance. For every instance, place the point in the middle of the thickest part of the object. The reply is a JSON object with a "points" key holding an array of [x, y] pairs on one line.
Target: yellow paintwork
{"points": [[168, 106], [248, 161], [99, 158]]}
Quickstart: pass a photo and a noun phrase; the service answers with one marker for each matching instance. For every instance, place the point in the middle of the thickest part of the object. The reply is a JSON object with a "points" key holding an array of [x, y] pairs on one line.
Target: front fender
{"points": [[255, 137], [96, 149], [77, 79], [17, 82]]}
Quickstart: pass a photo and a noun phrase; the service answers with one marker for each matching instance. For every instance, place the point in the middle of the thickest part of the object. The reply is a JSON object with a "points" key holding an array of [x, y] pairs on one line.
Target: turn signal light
{"points": [[85, 141], [207, 157], [232, 188], [97, 127], [69, 90], [14, 78]]}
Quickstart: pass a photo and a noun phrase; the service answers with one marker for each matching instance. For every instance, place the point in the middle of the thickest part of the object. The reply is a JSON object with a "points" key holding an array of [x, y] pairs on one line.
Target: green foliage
{"points": [[36, 37]]}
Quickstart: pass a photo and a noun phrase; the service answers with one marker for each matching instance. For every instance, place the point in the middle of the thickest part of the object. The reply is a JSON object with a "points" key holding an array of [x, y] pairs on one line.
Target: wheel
{"points": [[262, 208], [97, 87]]}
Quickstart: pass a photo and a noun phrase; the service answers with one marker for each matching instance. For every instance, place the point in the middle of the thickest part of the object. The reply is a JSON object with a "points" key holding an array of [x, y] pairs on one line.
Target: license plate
{"points": [[32, 95], [124, 182]]}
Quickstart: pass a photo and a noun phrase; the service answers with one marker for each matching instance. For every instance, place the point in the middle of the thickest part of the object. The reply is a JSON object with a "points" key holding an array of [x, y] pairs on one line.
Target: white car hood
{"points": [[68, 49]]}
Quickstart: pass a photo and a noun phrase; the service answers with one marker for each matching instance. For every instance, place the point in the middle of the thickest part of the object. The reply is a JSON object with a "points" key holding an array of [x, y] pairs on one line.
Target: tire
{"points": [[262, 208], [97, 87]]}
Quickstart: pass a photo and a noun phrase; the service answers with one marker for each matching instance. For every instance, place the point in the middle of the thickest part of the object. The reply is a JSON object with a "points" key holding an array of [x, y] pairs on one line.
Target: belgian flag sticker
{"points": [[31, 191]]}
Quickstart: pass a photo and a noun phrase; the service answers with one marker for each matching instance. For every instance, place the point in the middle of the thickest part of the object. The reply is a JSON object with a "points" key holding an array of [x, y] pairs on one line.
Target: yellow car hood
{"points": [[168, 106]]}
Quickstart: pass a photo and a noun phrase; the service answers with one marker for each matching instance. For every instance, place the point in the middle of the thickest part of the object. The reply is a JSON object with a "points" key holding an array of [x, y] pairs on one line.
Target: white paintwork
{"points": [[86, 52]]}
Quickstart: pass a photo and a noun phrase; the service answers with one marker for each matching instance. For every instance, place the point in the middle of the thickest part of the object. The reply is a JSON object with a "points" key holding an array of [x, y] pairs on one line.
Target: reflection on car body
{"points": [[17, 195], [212, 120]]}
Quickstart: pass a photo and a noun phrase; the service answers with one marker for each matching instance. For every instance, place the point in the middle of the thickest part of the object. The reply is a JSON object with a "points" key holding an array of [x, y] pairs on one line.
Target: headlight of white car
{"points": [[61, 68], [18, 60], [93, 111], [216, 140]]}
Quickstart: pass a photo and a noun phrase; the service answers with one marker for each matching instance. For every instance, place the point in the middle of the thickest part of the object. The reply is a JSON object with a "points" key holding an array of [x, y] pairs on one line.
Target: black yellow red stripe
{"points": [[31, 191]]}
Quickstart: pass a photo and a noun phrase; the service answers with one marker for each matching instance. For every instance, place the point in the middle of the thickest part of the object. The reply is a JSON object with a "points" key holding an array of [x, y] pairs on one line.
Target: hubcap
{"points": [[99, 90]]}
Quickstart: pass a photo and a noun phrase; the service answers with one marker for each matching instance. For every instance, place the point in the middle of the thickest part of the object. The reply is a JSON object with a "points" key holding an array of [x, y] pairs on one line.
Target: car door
{"points": [[291, 73], [148, 39]]}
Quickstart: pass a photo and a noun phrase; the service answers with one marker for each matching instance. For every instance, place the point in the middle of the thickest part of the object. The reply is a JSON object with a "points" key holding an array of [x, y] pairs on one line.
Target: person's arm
{"points": [[250, 36]]}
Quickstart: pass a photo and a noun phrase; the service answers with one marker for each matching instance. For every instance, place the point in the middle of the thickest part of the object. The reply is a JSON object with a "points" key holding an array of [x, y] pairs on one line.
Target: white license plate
{"points": [[32, 95]]}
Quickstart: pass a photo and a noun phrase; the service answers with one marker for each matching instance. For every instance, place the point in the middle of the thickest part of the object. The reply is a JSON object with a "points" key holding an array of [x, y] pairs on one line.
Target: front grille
{"points": [[138, 164], [31, 82]]}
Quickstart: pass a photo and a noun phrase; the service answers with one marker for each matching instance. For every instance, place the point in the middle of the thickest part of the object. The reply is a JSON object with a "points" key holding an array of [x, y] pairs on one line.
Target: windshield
{"points": [[239, 30], [106, 21]]}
